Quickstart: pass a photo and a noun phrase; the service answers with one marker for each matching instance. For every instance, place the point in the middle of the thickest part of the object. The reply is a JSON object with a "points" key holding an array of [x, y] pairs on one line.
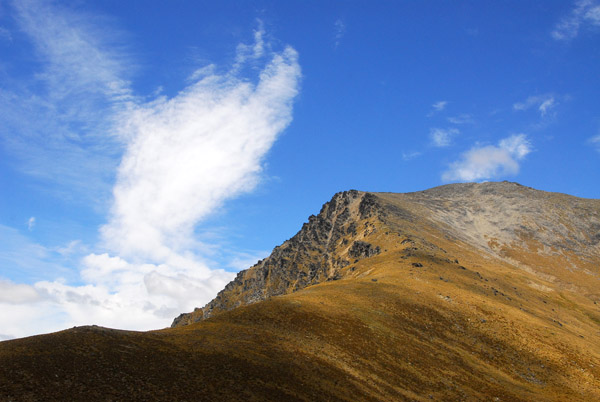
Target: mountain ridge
{"points": [[466, 292]]}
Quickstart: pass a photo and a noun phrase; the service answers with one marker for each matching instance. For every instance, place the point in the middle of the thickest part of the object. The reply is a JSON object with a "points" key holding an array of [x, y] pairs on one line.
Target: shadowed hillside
{"points": [[462, 292]]}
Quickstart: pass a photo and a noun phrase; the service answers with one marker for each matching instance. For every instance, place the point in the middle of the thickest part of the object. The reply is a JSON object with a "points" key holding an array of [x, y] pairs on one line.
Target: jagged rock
{"points": [[314, 255], [361, 249]]}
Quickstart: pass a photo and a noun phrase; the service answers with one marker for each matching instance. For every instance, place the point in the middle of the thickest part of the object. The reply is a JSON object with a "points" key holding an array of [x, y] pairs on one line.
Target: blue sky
{"points": [[150, 150]]}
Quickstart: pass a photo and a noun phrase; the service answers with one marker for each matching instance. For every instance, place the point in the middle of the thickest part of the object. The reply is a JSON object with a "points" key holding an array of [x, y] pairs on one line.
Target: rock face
{"points": [[324, 245], [488, 215], [501, 219]]}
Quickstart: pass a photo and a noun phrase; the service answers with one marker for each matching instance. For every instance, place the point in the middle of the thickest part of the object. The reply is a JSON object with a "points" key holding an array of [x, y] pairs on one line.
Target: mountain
{"points": [[467, 292], [503, 220]]}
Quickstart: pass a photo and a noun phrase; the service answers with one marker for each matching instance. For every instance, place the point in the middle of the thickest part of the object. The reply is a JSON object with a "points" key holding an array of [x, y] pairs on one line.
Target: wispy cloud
{"points": [[464, 118], [595, 141], [22, 259], [543, 103], [439, 106], [79, 54], [340, 31], [407, 156], [442, 137], [488, 162], [71, 248], [5, 34], [31, 223], [60, 116], [546, 105], [246, 52], [585, 13]]}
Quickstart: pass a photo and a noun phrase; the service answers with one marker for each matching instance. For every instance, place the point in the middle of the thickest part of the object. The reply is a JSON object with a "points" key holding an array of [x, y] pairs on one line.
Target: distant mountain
{"points": [[462, 292]]}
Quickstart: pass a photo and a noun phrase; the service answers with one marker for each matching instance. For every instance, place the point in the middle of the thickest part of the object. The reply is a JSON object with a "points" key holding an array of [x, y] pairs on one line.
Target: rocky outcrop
{"points": [[361, 249], [324, 245]]}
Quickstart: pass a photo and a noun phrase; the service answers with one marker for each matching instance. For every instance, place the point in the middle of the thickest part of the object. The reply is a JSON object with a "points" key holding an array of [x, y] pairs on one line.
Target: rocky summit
{"points": [[465, 292]]}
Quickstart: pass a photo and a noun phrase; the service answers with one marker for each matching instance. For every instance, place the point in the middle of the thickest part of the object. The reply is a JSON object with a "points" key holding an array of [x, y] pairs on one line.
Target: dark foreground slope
{"points": [[463, 292]]}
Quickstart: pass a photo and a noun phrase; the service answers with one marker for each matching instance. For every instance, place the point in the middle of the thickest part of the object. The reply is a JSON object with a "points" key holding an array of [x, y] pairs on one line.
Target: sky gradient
{"points": [[150, 150]]}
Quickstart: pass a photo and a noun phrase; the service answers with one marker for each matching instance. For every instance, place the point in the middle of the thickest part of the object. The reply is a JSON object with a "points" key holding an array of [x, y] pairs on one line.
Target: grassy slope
{"points": [[476, 329]]}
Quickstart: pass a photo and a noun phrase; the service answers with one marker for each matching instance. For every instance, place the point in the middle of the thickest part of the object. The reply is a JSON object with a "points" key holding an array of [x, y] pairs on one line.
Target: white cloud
{"points": [[340, 31], [179, 286], [543, 103], [186, 155], [593, 15], [586, 13], [12, 293], [546, 105], [439, 106], [442, 137], [595, 141], [73, 247], [461, 119], [31, 318], [5, 34], [407, 156], [115, 293], [259, 43], [488, 162], [183, 158], [112, 292], [31, 223], [517, 145], [245, 52]]}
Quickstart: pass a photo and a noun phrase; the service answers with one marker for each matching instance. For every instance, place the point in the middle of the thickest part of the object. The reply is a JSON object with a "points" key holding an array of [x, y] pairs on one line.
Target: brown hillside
{"points": [[463, 292]]}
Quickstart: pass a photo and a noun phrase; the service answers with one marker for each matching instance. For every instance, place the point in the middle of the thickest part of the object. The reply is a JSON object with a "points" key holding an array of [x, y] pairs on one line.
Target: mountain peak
{"points": [[314, 255], [501, 219]]}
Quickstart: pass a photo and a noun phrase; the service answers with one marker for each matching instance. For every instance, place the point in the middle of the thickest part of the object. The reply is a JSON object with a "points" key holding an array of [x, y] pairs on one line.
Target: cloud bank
{"points": [[489, 162]]}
